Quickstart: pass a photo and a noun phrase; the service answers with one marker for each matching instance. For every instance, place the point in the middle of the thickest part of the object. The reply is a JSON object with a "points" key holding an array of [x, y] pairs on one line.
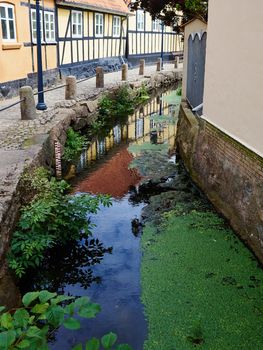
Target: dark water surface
{"points": [[118, 292]]}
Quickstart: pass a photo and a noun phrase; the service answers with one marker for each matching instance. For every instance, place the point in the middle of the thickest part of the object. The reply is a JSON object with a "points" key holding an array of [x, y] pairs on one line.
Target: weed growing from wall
{"points": [[74, 144], [120, 104]]}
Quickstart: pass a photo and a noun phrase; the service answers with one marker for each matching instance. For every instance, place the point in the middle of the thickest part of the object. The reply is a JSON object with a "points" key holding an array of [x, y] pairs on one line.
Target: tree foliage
{"points": [[173, 12]]}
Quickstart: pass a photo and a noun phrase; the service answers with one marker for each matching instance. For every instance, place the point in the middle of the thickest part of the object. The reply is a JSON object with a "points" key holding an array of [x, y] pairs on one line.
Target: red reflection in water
{"points": [[113, 178]]}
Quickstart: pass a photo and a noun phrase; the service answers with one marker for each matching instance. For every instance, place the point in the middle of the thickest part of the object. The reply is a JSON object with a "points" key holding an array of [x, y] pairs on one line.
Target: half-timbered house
{"points": [[91, 32], [149, 39]]}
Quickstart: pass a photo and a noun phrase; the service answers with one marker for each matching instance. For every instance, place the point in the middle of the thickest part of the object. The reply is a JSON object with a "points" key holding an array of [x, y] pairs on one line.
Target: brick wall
{"points": [[228, 173]]}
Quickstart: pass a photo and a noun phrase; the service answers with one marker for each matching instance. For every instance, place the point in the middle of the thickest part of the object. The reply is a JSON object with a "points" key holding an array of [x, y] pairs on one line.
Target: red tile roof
{"points": [[111, 6]]}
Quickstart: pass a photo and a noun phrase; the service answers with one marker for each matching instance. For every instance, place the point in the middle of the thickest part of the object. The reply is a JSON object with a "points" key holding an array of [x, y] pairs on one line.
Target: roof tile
{"points": [[115, 6]]}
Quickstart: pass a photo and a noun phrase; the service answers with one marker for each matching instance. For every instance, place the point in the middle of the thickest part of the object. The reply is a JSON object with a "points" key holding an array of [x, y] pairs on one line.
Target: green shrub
{"points": [[41, 313], [53, 217], [123, 102], [74, 144]]}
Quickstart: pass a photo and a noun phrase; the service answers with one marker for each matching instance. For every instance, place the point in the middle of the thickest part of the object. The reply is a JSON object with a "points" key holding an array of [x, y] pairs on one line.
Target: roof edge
{"points": [[91, 7], [192, 20]]}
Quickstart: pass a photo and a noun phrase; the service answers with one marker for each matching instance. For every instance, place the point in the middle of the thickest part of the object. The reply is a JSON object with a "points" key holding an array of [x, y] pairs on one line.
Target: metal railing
{"points": [[12, 105]]}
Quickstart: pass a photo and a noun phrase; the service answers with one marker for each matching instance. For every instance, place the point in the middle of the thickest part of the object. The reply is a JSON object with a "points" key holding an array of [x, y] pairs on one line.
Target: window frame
{"points": [[43, 31], [34, 30], [78, 24], [99, 25], [156, 25], [116, 30], [52, 38], [7, 6], [140, 20]]}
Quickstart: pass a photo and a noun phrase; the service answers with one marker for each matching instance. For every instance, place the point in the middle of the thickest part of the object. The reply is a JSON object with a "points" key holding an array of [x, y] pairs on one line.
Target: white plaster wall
{"points": [[233, 92]]}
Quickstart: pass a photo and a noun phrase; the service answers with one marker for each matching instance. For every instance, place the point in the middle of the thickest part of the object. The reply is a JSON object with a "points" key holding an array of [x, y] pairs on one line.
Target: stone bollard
{"points": [[159, 65], [99, 77], [142, 66], [176, 62], [27, 107], [124, 72], [71, 88]]}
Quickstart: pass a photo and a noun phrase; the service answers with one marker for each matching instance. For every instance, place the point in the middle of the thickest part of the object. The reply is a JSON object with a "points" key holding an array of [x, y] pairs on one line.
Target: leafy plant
{"points": [[105, 106], [41, 313], [123, 102], [74, 144], [142, 94], [52, 218], [179, 91]]}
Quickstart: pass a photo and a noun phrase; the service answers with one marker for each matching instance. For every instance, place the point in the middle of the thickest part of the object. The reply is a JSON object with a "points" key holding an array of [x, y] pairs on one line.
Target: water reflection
{"points": [[67, 265], [138, 128]]}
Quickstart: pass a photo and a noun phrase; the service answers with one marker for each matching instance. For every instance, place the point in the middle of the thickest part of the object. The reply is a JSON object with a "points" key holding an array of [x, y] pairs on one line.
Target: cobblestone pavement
{"points": [[14, 132]]}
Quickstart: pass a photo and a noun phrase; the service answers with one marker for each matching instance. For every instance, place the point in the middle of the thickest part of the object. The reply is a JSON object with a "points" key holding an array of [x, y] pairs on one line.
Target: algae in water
{"points": [[200, 285]]}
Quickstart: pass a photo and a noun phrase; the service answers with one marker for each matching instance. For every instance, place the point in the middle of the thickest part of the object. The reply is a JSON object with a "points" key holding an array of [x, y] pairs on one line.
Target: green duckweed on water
{"points": [[201, 286]]}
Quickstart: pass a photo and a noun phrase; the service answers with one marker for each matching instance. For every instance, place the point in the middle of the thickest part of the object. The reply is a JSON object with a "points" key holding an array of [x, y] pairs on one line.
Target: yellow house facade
{"points": [[18, 61]]}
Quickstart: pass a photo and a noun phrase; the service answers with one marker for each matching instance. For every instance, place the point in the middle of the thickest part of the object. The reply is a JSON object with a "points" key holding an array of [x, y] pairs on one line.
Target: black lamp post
{"points": [[41, 103], [162, 24]]}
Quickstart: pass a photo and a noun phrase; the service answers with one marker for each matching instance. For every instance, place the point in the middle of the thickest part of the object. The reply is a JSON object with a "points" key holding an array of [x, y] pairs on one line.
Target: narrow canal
{"points": [[186, 274]]}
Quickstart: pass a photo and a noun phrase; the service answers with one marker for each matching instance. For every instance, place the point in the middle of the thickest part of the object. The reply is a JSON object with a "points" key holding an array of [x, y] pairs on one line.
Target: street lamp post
{"points": [[41, 103], [162, 44]]}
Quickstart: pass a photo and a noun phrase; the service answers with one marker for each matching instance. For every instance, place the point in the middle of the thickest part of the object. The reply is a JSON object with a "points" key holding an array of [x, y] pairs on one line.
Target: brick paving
{"points": [[13, 131]]}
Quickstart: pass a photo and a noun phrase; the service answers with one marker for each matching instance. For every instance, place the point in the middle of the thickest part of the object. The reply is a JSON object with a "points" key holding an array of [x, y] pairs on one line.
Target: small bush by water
{"points": [[51, 218]]}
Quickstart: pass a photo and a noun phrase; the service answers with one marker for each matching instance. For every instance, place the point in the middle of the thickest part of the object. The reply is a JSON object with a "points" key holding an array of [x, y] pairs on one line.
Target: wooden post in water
{"points": [[142, 67], [71, 88], [99, 78]]}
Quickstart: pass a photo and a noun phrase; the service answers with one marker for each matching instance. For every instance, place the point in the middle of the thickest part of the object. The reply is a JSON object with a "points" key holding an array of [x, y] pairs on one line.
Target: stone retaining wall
{"points": [[38, 150], [227, 172]]}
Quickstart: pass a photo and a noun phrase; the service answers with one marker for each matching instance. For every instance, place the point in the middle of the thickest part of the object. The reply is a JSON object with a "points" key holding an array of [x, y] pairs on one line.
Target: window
{"points": [[98, 24], [157, 25], [116, 31], [76, 22], [34, 25], [7, 17], [140, 20], [49, 26]]}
